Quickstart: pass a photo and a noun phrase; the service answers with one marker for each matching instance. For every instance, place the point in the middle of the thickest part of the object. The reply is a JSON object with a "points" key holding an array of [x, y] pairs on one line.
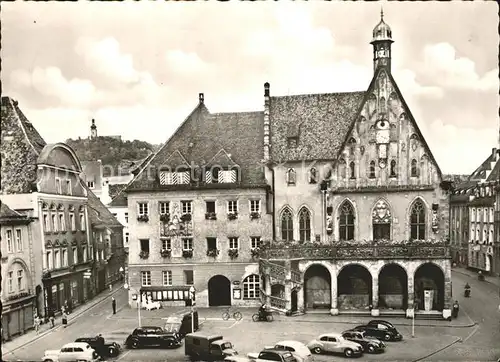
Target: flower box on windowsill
{"points": [[232, 215], [186, 217], [165, 217], [187, 253], [254, 215], [255, 252], [165, 253], [144, 254], [211, 216], [233, 253], [213, 252], [143, 218]]}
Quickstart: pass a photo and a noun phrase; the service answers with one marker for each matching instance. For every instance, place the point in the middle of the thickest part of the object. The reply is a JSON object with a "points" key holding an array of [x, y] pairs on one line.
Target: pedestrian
{"points": [[65, 319], [113, 304], [110, 287], [52, 320], [455, 309], [37, 324]]}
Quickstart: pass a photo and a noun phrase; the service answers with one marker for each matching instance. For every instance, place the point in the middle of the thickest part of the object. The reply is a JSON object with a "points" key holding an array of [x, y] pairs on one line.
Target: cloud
{"points": [[185, 62], [51, 82], [406, 80], [442, 63]]}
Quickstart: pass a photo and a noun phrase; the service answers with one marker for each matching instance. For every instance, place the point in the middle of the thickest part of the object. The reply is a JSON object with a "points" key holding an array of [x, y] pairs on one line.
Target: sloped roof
{"points": [[118, 197], [202, 135], [19, 149], [7, 212], [99, 214], [320, 121], [485, 172]]}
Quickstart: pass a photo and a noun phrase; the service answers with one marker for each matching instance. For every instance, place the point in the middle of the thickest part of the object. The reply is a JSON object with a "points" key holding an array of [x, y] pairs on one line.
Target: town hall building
{"points": [[331, 202]]}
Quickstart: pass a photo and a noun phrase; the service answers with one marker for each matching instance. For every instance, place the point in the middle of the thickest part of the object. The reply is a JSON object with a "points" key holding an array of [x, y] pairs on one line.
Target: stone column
{"points": [[447, 290], [268, 287], [410, 311], [334, 308], [300, 298], [288, 285], [375, 311]]}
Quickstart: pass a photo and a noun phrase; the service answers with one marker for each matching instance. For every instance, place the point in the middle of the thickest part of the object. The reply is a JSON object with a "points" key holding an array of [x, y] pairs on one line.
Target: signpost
{"points": [[191, 297]]}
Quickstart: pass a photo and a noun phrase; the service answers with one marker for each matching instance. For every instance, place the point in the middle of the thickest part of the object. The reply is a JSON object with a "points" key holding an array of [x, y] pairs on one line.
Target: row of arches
{"points": [[349, 171], [346, 217], [355, 287]]}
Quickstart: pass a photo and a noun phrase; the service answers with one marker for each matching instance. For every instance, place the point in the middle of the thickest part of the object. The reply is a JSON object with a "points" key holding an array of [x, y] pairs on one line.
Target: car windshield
{"points": [[226, 345]]}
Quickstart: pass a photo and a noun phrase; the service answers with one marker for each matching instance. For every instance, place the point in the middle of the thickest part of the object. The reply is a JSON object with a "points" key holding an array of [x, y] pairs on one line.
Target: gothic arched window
{"points": [[352, 170], [287, 225], [381, 221], [393, 169], [342, 169], [290, 176], [414, 169], [304, 225], [346, 221], [417, 221], [371, 172]]}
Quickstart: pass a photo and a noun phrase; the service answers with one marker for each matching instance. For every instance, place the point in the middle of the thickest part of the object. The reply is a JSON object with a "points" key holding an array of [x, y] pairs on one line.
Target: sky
{"points": [[137, 67]]}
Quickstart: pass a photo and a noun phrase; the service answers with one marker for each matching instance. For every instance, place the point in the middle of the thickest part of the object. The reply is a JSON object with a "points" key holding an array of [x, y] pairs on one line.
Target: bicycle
{"points": [[227, 314]]}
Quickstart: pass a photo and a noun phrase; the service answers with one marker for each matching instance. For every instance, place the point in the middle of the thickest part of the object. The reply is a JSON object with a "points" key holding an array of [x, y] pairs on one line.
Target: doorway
{"points": [[219, 291]]}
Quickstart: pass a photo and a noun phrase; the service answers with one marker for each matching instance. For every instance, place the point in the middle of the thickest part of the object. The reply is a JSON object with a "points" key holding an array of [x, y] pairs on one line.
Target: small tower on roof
{"points": [[382, 40], [93, 130]]}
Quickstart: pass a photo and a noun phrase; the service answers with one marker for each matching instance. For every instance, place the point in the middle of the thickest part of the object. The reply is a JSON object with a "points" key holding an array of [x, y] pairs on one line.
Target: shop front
{"points": [[166, 295], [58, 290], [17, 316]]}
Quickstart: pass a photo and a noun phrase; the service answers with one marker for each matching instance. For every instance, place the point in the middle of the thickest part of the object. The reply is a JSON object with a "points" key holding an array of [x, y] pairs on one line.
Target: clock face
{"points": [[382, 164]]}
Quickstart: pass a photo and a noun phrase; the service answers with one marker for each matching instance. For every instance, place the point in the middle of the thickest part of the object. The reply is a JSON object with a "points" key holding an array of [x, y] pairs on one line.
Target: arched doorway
{"points": [[429, 277], [219, 291], [278, 290], [393, 287], [317, 287], [294, 300], [354, 285]]}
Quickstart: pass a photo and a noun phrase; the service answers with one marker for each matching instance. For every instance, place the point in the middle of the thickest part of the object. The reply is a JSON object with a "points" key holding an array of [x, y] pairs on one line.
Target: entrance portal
{"points": [[429, 277], [393, 287], [354, 287], [317, 287], [219, 291], [294, 300]]}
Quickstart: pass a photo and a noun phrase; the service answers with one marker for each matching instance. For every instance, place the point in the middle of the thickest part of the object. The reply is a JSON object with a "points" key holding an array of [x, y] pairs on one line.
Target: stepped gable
{"points": [[319, 121], [202, 135], [20, 147]]}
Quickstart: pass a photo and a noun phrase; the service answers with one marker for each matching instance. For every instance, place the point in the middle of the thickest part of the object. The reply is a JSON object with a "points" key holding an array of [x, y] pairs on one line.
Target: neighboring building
{"points": [[198, 212], [472, 226], [21, 284], [93, 178], [119, 208]]}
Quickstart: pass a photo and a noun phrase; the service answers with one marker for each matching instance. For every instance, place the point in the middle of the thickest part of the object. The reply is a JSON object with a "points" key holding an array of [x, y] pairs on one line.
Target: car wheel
{"points": [[48, 360], [387, 337], [135, 344], [112, 352], [317, 350], [348, 352], [370, 349]]}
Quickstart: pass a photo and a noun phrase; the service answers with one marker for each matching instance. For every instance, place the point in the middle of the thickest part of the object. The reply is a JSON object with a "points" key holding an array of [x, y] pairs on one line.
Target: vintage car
{"points": [[298, 349], [76, 351], [238, 359], [272, 355], [369, 344], [335, 343], [207, 347], [380, 329], [103, 349], [152, 337]]}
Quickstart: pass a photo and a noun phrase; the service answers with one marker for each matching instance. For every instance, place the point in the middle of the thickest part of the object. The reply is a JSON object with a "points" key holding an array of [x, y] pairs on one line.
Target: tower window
{"points": [[371, 172], [352, 170], [393, 172], [414, 169]]}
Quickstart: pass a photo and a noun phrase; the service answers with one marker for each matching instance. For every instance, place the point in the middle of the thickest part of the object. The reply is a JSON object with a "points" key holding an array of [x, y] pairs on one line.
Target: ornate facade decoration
{"points": [[381, 213]]}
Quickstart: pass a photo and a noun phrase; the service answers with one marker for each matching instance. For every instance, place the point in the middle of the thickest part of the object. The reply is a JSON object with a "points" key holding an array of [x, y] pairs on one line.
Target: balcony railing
{"points": [[409, 250], [277, 303]]}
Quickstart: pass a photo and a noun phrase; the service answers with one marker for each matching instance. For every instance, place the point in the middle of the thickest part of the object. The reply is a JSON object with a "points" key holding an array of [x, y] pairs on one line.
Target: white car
{"points": [[76, 351], [298, 349], [335, 343]]}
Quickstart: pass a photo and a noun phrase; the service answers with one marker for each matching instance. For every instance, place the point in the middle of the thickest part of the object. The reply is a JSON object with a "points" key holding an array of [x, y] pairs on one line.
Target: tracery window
{"points": [[346, 221], [381, 221], [414, 169], [287, 225], [304, 224], [417, 221]]}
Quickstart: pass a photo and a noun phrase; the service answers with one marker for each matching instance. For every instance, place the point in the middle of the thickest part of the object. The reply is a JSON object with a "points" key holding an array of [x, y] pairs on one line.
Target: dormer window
{"points": [[292, 142], [313, 175], [290, 177], [178, 177], [218, 175]]}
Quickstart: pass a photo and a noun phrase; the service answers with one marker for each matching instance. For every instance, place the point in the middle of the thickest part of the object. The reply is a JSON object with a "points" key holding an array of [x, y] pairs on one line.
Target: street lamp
{"points": [[191, 297], [413, 320]]}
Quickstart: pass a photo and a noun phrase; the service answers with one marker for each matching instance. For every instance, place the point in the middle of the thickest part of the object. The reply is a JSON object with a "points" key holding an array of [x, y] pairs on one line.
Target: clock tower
{"points": [[382, 40]]}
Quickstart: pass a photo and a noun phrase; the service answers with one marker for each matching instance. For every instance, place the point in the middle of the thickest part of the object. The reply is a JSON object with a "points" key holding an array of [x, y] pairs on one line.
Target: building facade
{"points": [[21, 295], [198, 212], [360, 207]]}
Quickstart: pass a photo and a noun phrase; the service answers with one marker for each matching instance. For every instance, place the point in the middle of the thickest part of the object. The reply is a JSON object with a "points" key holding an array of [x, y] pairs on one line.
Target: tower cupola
{"points": [[93, 130], [382, 40]]}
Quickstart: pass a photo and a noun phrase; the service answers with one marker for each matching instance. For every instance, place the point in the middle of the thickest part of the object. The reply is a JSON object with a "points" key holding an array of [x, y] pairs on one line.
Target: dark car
{"points": [[103, 349], [369, 344], [152, 337], [273, 355], [382, 330]]}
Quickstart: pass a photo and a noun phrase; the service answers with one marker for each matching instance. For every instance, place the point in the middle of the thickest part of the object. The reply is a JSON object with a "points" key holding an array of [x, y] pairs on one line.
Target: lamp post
{"points": [[139, 309], [413, 321], [191, 297]]}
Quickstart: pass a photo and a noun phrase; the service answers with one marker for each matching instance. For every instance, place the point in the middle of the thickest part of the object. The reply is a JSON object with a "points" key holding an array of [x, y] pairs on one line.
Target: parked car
{"points": [[208, 347], [335, 343], [369, 344], [103, 349], [298, 349], [152, 337], [380, 329], [272, 355], [181, 322], [76, 351], [238, 359]]}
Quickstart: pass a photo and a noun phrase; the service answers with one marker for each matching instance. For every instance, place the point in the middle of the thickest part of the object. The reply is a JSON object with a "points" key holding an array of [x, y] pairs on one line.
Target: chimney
{"points": [[267, 100], [201, 98]]}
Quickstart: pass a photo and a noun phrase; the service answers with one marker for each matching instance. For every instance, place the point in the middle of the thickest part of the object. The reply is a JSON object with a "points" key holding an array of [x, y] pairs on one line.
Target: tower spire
{"points": [[381, 13]]}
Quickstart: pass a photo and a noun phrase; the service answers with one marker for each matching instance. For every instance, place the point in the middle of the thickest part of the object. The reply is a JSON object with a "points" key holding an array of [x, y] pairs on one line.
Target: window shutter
{"points": [[208, 177], [183, 177], [174, 178], [232, 176], [222, 176], [165, 178]]}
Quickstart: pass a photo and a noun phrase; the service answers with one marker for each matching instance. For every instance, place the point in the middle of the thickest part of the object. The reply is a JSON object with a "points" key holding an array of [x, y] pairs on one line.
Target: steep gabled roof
{"points": [[19, 149], [99, 215], [222, 158], [489, 170], [7, 212], [202, 135], [118, 196], [320, 121]]}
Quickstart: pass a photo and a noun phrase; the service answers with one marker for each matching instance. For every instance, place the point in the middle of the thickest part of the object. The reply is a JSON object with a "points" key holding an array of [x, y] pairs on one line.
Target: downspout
{"points": [[274, 203]]}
